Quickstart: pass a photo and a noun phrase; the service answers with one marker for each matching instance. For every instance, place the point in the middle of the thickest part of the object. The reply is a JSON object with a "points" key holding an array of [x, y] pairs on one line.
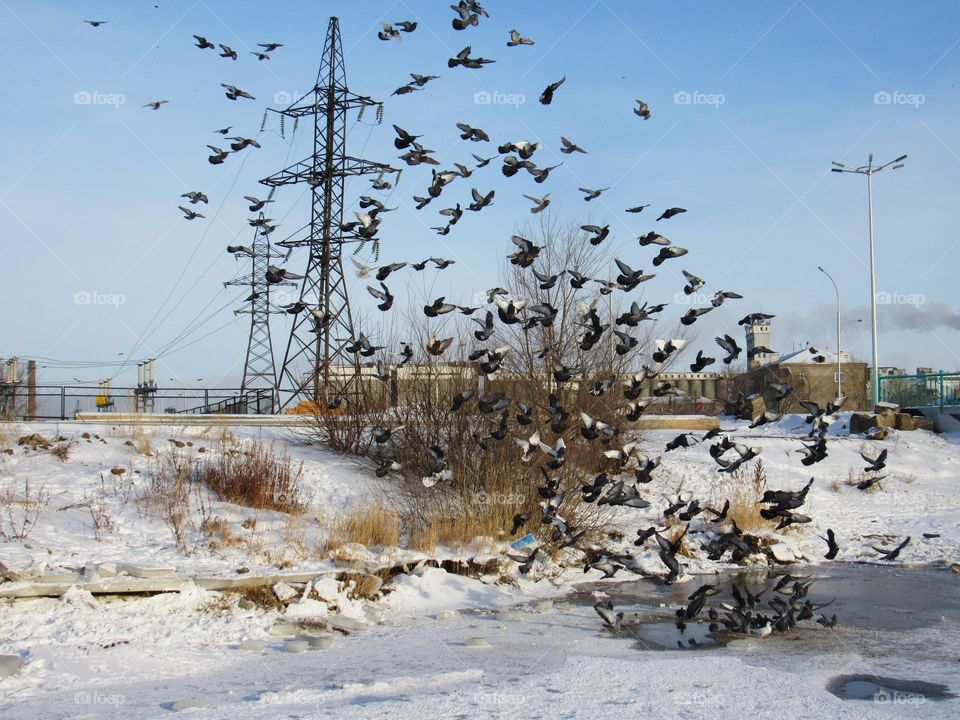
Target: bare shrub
{"points": [[258, 476], [19, 512], [169, 491]]}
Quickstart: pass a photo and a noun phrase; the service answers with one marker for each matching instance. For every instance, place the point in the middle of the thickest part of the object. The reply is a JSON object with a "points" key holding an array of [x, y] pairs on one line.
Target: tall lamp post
{"points": [[870, 170], [837, 291]]}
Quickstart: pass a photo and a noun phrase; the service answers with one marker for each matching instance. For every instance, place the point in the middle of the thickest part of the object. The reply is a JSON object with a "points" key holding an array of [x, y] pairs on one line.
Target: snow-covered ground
{"points": [[405, 654]]}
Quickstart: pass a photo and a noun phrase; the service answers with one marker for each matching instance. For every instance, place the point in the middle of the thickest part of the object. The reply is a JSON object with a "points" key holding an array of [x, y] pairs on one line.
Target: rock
{"points": [[326, 588], [782, 553], [243, 570], [883, 407], [35, 441], [887, 419], [246, 604], [284, 592], [904, 421], [366, 585], [296, 646], [128, 443], [194, 702], [10, 664], [117, 471], [955, 567], [85, 436], [877, 433], [924, 423], [753, 407], [861, 423], [253, 645], [285, 629], [478, 642], [344, 624]]}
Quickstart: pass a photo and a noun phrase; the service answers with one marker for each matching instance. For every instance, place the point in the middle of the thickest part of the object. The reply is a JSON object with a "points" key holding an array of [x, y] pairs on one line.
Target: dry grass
{"points": [[745, 495], [373, 527], [219, 533], [61, 452], [258, 477]]}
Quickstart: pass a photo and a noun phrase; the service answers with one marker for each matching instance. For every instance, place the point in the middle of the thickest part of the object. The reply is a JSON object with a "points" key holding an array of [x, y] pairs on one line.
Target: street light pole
{"points": [[870, 170], [837, 291]]}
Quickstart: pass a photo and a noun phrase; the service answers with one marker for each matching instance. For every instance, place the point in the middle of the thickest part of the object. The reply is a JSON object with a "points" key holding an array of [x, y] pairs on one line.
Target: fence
{"points": [[61, 402], [935, 389]]}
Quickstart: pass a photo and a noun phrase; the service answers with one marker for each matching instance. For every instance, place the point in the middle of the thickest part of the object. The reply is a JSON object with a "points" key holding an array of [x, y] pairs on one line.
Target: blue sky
{"points": [[776, 90]]}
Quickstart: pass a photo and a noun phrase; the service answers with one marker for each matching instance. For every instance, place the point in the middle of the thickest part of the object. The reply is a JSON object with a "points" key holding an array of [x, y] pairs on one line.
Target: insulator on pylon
{"points": [[282, 118], [296, 122], [360, 114], [376, 251], [263, 123], [379, 113]]}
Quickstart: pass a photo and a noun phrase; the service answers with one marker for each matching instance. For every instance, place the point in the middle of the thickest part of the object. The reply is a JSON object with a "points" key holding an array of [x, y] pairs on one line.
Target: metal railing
{"points": [[931, 390], [62, 402]]}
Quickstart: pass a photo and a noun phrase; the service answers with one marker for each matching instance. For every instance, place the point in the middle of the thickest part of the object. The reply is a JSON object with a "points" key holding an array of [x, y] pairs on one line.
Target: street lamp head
{"points": [[897, 166], [838, 164], [836, 169], [900, 159]]}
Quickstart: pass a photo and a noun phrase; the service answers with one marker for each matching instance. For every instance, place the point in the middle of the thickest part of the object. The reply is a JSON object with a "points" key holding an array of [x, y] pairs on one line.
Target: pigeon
{"points": [[730, 346], [652, 238], [437, 347], [421, 80], [195, 197], [228, 52], [666, 253], [190, 214], [832, 547], [592, 194], [219, 155], [480, 201], [546, 97], [599, 233], [539, 204], [670, 212], [203, 43], [894, 552], [642, 110], [96, 23], [701, 362], [473, 134], [463, 59], [569, 147], [155, 104], [516, 40], [876, 464], [383, 295], [269, 47], [234, 92], [255, 204], [260, 55], [638, 208]]}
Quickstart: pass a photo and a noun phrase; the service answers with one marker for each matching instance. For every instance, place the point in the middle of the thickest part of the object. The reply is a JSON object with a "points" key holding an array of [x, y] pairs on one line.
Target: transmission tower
{"points": [[258, 369], [316, 365]]}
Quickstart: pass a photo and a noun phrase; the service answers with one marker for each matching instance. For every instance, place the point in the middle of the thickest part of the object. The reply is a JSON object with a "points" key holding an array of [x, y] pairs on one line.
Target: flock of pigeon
{"points": [[624, 470]]}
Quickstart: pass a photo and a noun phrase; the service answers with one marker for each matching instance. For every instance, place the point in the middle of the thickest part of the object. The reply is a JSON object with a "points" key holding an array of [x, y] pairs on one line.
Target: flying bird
{"points": [[592, 194], [642, 109], [546, 97], [155, 105], [570, 147], [516, 40]]}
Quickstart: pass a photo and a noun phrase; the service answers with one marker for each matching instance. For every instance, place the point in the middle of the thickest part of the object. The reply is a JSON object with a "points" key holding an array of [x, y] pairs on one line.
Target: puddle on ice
{"points": [[880, 689], [667, 636]]}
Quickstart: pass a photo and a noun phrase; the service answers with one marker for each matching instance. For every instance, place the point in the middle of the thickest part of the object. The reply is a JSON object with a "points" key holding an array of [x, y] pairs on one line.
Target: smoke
{"points": [[919, 316]]}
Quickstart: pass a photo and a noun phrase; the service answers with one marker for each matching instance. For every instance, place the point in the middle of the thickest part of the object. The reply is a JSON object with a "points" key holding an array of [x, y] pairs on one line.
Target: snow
{"points": [[436, 644]]}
